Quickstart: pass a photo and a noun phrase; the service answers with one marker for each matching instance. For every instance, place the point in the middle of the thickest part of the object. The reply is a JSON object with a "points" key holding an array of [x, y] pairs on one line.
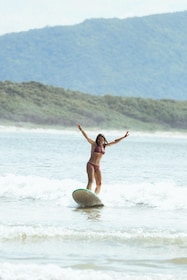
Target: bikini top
{"points": [[99, 149]]}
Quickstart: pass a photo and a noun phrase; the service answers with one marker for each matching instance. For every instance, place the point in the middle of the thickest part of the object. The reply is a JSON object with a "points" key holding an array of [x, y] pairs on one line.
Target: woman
{"points": [[97, 151]]}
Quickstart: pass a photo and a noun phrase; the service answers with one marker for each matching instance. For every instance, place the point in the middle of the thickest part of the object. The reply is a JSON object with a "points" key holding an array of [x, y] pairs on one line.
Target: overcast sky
{"points": [[21, 15]]}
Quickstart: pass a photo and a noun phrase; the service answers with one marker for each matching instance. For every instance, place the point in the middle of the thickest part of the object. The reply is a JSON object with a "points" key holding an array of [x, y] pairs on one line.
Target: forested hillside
{"points": [[141, 57], [32, 103]]}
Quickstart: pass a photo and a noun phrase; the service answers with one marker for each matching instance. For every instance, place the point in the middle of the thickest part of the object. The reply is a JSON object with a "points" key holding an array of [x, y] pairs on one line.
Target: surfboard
{"points": [[86, 198]]}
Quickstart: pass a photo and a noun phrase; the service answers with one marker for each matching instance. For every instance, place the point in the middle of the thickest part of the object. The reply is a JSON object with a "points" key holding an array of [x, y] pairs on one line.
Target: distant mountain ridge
{"points": [[141, 57]]}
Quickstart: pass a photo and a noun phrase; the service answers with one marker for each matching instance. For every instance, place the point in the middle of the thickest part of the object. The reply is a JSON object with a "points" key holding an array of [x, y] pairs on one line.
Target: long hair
{"points": [[105, 141]]}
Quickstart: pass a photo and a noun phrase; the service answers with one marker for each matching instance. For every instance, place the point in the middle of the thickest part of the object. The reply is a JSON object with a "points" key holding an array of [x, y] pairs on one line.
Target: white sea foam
{"points": [[93, 131], [36, 130], [163, 195], [30, 233], [34, 187], [10, 271]]}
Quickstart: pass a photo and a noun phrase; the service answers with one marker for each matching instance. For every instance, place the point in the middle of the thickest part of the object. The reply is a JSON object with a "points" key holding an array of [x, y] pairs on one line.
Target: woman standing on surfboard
{"points": [[97, 151]]}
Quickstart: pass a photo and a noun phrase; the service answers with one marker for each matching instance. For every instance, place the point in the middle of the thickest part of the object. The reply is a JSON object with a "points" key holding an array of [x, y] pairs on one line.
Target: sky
{"points": [[23, 15]]}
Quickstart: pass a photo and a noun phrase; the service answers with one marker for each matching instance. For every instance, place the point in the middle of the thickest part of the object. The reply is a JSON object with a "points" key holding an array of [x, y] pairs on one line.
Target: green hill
{"points": [[32, 103], [140, 57]]}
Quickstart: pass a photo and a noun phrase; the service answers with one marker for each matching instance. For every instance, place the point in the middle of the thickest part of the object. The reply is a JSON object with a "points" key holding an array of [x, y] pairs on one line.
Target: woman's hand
{"points": [[119, 139], [79, 127]]}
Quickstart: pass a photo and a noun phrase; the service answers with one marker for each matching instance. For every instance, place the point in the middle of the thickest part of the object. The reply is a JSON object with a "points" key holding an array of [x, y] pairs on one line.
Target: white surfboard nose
{"points": [[86, 198]]}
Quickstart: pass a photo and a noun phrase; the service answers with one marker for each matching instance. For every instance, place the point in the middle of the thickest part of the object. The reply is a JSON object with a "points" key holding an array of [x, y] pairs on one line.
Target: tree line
{"points": [[37, 104]]}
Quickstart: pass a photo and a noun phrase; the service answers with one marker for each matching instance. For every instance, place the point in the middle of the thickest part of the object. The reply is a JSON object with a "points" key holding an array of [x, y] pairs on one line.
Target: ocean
{"points": [[140, 233]]}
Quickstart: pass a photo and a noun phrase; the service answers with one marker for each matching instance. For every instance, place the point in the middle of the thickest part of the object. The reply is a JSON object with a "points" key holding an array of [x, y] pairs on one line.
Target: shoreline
{"points": [[70, 130]]}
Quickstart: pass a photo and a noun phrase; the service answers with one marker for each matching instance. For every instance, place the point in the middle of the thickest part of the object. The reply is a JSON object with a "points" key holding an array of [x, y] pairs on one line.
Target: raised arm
{"points": [[118, 139], [85, 135]]}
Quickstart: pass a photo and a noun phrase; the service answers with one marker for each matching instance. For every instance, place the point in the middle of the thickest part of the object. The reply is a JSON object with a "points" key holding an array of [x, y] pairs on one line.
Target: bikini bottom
{"points": [[96, 167]]}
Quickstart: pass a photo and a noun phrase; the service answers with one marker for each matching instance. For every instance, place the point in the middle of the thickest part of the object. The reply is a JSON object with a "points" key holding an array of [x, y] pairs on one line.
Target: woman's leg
{"points": [[98, 179], [90, 172]]}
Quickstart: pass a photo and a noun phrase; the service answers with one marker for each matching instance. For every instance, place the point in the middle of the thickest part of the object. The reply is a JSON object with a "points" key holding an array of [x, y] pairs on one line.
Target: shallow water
{"points": [[140, 233]]}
